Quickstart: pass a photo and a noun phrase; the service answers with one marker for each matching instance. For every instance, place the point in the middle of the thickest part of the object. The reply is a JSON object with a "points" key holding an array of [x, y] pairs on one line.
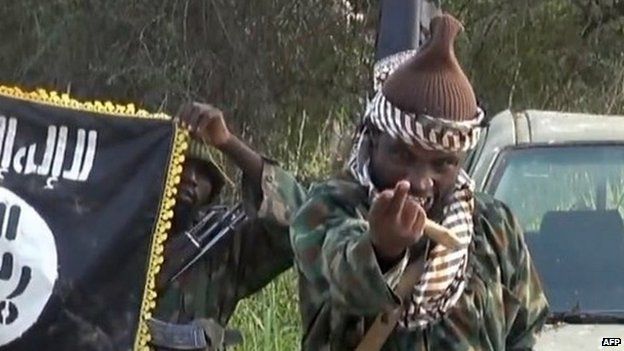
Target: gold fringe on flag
{"points": [[165, 213]]}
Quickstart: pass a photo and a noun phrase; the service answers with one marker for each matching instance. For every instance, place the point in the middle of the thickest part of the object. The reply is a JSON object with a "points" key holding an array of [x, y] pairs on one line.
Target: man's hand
{"points": [[396, 221], [205, 122]]}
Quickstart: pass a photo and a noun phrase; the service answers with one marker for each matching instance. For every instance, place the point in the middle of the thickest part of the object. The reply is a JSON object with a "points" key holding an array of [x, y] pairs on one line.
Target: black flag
{"points": [[86, 195]]}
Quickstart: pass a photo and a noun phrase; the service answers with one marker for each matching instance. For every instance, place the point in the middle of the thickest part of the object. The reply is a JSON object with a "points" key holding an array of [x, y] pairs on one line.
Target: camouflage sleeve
{"points": [[333, 251], [265, 249], [526, 307], [280, 196]]}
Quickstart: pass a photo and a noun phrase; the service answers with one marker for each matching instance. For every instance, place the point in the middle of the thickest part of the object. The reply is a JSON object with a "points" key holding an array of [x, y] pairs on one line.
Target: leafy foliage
{"points": [[551, 54], [292, 75]]}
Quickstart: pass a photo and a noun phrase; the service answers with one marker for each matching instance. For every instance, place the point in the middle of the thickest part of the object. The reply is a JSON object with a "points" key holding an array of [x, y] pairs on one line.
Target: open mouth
{"points": [[425, 202]]}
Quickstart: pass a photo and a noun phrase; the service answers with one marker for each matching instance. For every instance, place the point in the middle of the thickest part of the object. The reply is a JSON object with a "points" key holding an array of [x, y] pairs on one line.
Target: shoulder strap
{"points": [[385, 322]]}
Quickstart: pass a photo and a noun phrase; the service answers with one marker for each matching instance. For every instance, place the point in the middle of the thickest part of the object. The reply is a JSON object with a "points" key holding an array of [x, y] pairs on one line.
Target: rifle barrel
{"points": [[238, 215]]}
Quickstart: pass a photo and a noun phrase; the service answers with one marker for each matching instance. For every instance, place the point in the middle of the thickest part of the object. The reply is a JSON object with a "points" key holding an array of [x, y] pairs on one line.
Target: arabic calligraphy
{"points": [[50, 162]]}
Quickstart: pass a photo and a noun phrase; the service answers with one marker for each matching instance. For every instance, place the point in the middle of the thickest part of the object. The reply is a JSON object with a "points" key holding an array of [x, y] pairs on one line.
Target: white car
{"points": [[562, 175]]}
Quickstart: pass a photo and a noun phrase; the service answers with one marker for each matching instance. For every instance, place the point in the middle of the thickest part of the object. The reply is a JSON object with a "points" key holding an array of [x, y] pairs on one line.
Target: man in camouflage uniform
{"points": [[357, 234], [242, 263]]}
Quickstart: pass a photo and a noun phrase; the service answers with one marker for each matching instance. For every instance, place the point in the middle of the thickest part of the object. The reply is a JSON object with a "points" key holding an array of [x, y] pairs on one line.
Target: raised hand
{"points": [[204, 122], [396, 221]]}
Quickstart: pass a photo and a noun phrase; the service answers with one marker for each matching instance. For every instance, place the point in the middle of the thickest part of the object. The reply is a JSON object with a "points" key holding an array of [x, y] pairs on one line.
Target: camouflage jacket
{"points": [[242, 263], [342, 288]]}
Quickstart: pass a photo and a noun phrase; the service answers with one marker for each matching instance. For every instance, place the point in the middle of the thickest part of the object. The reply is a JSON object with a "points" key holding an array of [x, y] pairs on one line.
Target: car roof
{"points": [[535, 126], [510, 129], [556, 127]]}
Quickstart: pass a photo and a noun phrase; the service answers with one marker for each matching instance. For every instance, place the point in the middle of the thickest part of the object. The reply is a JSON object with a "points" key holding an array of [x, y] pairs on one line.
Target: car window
{"points": [[570, 202]]}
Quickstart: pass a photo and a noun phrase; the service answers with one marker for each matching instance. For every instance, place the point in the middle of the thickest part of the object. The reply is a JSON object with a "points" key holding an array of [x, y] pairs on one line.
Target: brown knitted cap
{"points": [[432, 81]]}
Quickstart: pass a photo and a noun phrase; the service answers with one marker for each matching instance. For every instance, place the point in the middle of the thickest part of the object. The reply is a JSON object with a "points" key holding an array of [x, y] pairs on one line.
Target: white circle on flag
{"points": [[28, 266]]}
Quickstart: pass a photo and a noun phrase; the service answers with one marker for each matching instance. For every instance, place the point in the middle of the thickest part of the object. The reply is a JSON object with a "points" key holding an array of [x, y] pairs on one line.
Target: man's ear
{"points": [[374, 137]]}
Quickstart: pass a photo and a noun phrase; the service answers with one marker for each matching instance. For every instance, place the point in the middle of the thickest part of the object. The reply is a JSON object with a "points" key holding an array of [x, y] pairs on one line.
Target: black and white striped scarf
{"points": [[444, 276]]}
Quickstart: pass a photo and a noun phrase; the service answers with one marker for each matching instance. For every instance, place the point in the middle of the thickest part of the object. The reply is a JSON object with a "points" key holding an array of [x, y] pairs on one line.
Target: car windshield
{"points": [[570, 202]]}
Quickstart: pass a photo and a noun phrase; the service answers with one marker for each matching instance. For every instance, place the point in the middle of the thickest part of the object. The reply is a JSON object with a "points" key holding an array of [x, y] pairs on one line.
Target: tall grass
{"points": [[270, 319]]}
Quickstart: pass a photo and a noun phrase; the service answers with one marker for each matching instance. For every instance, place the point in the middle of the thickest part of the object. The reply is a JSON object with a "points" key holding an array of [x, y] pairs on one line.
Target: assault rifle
{"points": [[190, 246]]}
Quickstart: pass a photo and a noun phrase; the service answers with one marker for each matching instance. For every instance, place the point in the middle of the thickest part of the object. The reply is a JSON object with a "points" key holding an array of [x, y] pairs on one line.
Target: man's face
{"points": [[195, 186], [431, 174], [195, 189]]}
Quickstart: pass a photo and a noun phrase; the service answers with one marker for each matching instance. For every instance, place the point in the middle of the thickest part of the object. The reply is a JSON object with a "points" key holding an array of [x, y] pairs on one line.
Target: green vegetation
{"points": [[292, 75]]}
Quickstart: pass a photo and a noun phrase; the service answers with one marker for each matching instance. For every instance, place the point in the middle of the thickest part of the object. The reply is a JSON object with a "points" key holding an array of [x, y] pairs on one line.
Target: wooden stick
{"points": [[441, 235]]}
